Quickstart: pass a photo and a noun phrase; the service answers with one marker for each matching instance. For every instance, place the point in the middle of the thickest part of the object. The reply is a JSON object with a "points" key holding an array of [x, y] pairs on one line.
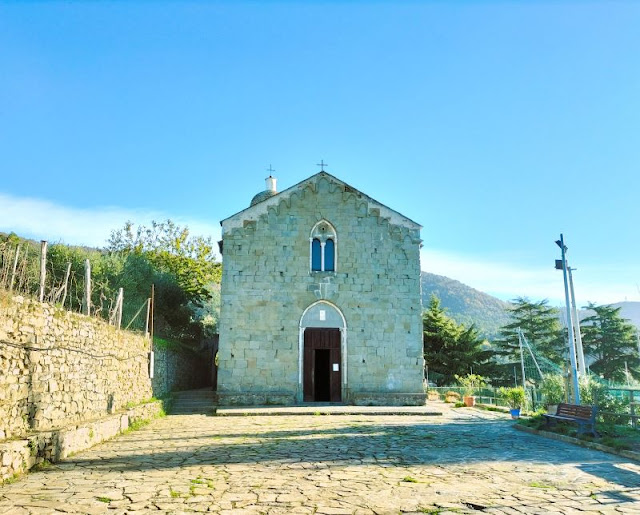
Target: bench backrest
{"points": [[576, 411]]}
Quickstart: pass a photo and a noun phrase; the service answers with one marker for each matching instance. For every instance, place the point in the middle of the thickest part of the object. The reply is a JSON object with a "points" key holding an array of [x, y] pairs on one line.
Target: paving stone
{"points": [[333, 465]]}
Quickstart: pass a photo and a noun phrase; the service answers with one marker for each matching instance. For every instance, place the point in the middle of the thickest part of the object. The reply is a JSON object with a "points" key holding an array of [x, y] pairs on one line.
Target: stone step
{"points": [[196, 394], [194, 399], [191, 413], [193, 402]]}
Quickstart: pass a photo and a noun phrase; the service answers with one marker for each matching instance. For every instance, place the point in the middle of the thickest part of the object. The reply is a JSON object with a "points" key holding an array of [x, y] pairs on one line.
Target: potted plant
{"points": [[514, 397], [552, 389], [471, 384]]}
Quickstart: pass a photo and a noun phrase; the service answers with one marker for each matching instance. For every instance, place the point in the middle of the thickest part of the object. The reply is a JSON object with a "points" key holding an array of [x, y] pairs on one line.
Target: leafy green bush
{"points": [[514, 397], [471, 383], [595, 393], [552, 389]]}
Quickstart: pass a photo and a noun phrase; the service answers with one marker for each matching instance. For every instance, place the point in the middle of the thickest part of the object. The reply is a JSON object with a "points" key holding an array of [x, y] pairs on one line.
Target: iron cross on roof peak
{"points": [[322, 164], [270, 170]]}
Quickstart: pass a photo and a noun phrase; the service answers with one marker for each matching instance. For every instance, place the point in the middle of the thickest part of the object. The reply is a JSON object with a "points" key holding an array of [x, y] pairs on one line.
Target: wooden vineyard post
{"points": [[15, 266], [43, 268], [87, 287]]}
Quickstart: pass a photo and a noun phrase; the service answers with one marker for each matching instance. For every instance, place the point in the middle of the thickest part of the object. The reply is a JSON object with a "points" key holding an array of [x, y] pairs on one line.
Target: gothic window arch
{"points": [[323, 247]]}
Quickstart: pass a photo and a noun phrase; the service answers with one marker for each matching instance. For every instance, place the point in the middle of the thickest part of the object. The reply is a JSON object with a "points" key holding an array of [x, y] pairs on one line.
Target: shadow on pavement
{"points": [[359, 443]]}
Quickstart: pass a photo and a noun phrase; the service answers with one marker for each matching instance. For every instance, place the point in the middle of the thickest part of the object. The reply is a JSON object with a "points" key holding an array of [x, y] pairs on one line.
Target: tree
{"points": [[171, 249], [541, 326], [611, 340], [452, 349], [183, 269]]}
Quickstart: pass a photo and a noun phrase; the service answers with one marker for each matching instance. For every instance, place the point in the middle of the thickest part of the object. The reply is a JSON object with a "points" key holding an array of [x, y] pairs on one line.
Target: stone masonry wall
{"points": [[176, 370], [59, 368], [267, 284], [20, 455]]}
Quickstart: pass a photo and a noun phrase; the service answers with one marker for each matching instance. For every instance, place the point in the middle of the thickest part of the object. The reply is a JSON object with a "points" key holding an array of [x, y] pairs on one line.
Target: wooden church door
{"points": [[321, 373]]}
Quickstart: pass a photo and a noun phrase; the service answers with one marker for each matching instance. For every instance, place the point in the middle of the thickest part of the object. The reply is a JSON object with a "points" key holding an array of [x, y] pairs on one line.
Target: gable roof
{"points": [[255, 211]]}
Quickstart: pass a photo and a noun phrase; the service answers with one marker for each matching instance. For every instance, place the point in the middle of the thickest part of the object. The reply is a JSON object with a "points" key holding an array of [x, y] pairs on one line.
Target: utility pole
{"points": [[582, 369], [524, 382], [572, 351]]}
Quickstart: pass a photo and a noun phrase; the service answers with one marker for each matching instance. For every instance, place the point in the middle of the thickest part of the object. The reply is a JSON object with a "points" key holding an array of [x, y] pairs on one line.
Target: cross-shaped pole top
{"points": [[322, 164], [270, 169]]}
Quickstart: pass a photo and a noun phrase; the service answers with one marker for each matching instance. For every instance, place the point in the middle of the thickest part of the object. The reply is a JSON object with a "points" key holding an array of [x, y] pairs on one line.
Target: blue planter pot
{"points": [[515, 413]]}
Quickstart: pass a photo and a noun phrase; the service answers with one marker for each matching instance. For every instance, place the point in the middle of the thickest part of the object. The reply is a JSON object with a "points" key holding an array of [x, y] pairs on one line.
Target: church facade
{"points": [[320, 299]]}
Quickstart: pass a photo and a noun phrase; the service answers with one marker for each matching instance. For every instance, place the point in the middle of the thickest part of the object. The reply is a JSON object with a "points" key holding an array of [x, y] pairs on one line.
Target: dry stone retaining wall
{"points": [[180, 369], [18, 456], [59, 368]]}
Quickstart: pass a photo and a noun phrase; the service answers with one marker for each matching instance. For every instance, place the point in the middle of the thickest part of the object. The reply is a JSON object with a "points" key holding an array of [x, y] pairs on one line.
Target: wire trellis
{"points": [[20, 264]]}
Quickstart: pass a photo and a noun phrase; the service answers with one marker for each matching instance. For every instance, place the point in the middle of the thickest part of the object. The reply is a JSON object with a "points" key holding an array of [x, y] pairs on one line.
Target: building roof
{"points": [[263, 195], [261, 203]]}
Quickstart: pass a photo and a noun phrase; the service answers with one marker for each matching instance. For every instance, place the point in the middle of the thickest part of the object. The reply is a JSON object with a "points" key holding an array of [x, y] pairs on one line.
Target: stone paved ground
{"points": [[464, 461]]}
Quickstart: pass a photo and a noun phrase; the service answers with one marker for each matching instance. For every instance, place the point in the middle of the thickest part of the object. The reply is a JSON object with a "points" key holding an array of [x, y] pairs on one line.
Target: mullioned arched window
{"points": [[323, 247]]}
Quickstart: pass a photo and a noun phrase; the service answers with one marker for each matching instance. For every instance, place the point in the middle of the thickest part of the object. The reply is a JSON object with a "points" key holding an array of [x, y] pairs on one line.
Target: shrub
{"points": [[514, 397], [451, 396], [593, 392], [552, 389], [471, 383]]}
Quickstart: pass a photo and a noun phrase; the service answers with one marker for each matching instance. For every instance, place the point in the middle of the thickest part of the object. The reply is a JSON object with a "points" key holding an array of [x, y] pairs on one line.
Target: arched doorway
{"points": [[322, 361]]}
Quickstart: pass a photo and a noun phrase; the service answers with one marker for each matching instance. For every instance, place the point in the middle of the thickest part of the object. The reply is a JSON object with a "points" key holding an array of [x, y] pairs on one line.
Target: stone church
{"points": [[320, 299]]}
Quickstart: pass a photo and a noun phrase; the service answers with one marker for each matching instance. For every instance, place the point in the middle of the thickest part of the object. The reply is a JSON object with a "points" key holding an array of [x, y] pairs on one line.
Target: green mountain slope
{"points": [[465, 304]]}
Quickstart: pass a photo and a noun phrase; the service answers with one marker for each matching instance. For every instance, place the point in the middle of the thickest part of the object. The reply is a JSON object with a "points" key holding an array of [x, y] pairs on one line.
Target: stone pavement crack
{"points": [[462, 462]]}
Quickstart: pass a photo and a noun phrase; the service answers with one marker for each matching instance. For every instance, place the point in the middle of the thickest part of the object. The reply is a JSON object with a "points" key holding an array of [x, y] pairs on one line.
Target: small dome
{"points": [[263, 195]]}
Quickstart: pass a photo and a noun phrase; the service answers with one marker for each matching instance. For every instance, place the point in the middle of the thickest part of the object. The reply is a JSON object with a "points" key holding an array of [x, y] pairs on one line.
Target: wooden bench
{"points": [[583, 416]]}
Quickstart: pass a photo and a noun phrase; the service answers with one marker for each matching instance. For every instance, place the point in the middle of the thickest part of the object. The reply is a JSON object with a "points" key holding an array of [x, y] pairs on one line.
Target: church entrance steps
{"points": [[325, 409], [193, 402]]}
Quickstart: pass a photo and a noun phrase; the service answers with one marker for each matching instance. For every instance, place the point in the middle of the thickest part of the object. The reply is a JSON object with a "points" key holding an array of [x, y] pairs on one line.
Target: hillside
{"points": [[628, 309], [465, 304]]}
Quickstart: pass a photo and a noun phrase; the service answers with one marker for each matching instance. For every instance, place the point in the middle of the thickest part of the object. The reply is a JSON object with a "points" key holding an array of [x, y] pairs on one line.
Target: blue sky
{"points": [[496, 125]]}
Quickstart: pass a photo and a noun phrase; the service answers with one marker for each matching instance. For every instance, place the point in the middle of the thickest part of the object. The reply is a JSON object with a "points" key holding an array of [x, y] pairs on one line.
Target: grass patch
{"points": [[173, 493], [165, 404], [43, 465], [11, 479], [104, 499], [409, 479], [536, 484], [174, 345], [132, 404], [487, 407], [616, 437], [616, 443], [137, 424], [205, 481]]}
